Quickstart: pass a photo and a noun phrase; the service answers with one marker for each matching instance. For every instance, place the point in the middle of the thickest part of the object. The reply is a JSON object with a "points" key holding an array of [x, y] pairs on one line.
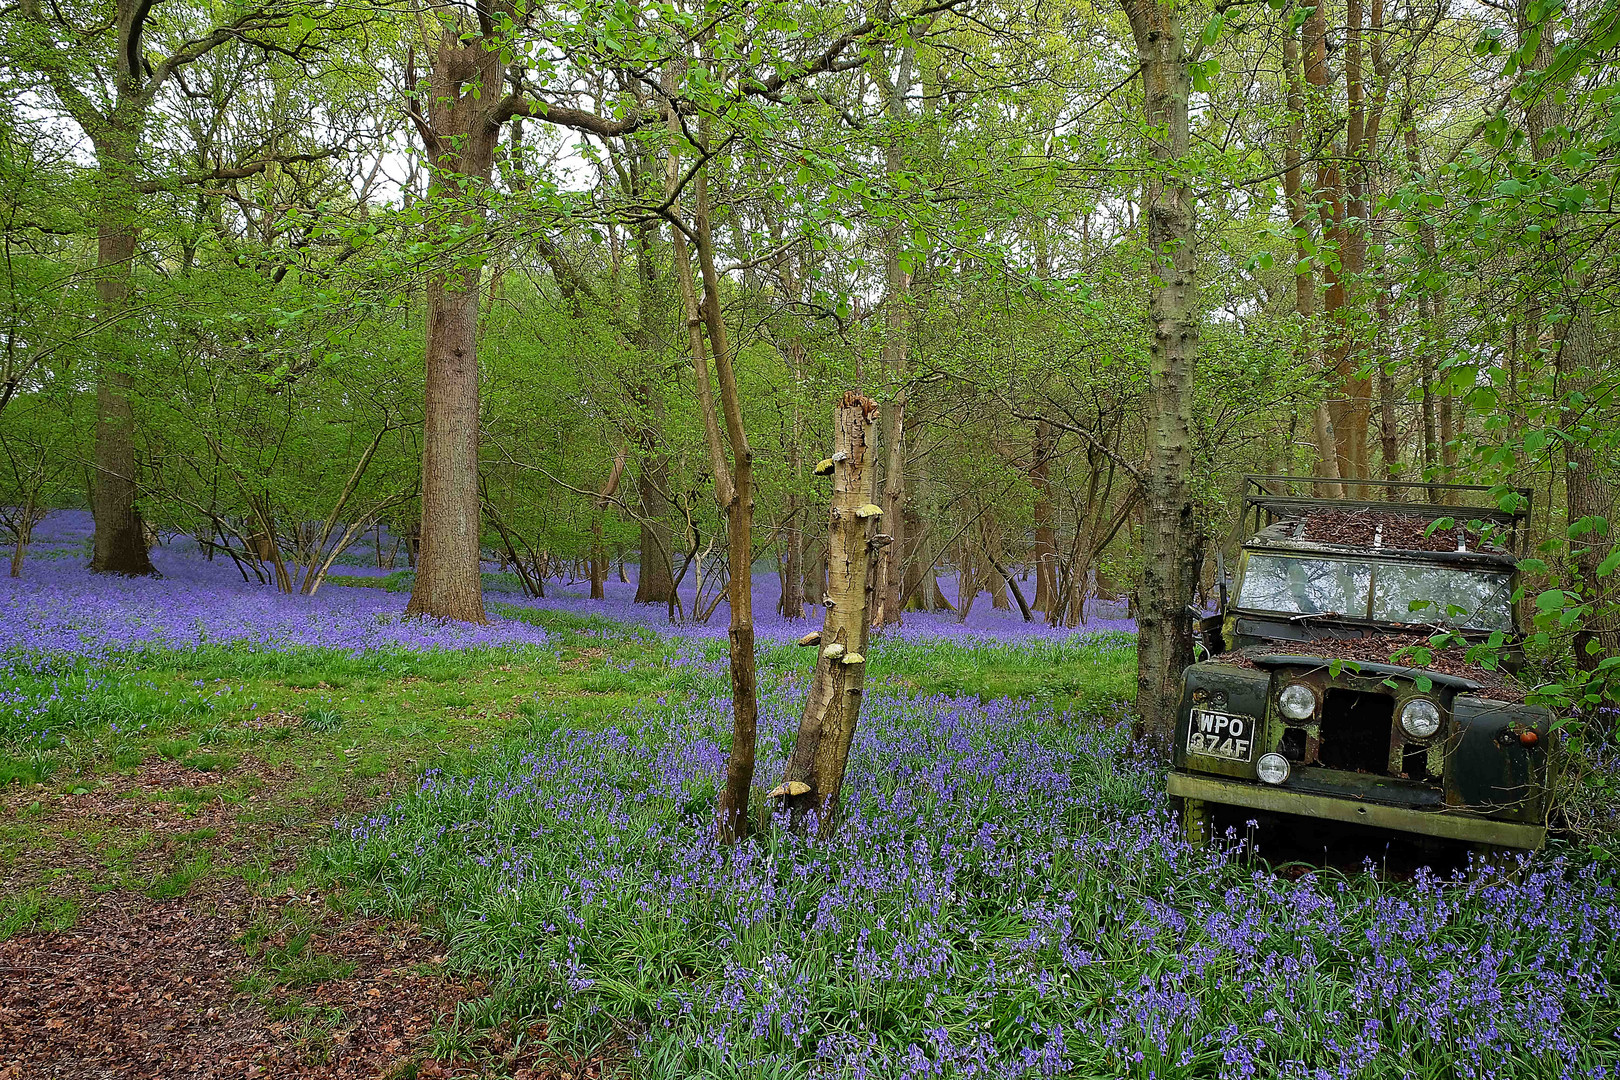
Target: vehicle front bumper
{"points": [[1443, 824]]}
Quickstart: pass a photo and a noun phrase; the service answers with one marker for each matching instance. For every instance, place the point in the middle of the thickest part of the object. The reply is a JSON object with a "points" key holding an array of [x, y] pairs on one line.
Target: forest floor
{"points": [[158, 913], [155, 916], [247, 835]]}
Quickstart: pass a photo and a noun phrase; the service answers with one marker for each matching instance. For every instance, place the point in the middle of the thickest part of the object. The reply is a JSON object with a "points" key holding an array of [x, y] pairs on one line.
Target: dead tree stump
{"points": [[815, 773]]}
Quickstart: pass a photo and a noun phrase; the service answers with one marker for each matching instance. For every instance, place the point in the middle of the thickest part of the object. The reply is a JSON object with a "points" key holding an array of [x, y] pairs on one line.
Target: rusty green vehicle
{"points": [[1297, 711]]}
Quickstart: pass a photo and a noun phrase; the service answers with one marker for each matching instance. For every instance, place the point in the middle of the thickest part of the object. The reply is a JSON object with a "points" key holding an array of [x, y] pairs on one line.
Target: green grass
{"points": [[35, 910], [1015, 873], [286, 738], [328, 726], [322, 719], [177, 882], [1092, 674]]}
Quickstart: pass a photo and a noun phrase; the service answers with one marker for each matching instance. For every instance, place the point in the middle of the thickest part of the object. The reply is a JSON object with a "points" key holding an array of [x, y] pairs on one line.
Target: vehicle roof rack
{"points": [[1280, 498]]}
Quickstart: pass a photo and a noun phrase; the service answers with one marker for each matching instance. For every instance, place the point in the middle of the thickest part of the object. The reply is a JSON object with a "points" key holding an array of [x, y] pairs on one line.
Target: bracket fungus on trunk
{"points": [[792, 787], [815, 774]]}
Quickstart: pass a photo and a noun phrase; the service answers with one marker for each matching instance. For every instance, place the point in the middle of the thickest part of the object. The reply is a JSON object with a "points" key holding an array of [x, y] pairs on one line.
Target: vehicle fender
{"points": [[1489, 767]]}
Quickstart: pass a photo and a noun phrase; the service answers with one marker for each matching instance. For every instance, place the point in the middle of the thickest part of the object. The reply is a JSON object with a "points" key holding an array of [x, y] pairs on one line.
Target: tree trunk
{"points": [[1044, 551], [655, 581], [792, 603], [447, 573], [599, 555], [815, 570], [733, 808], [459, 137], [1169, 573], [25, 531], [815, 772], [1327, 462], [120, 541], [733, 481], [990, 548], [1588, 492], [897, 296], [1330, 193], [1388, 422], [1352, 414]]}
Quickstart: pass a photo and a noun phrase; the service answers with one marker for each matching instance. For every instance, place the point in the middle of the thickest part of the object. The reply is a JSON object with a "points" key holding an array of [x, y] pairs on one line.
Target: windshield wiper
{"points": [[1302, 616]]}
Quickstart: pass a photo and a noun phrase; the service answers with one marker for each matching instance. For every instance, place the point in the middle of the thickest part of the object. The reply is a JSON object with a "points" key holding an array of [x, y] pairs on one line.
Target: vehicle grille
{"points": [[1356, 731]]}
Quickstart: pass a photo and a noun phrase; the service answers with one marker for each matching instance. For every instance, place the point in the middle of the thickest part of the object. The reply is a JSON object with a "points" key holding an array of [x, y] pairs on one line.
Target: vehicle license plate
{"points": [[1219, 734]]}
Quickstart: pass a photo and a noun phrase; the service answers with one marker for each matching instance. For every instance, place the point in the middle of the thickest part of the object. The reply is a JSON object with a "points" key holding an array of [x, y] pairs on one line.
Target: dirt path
{"points": [[222, 980], [144, 988]]}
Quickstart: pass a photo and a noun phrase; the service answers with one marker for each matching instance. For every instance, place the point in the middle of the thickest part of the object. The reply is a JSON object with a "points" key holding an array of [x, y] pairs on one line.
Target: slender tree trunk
{"points": [[1426, 389], [815, 772], [1351, 424], [1388, 420], [1045, 549], [1330, 193], [1327, 462], [733, 481], [792, 603], [897, 297], [740, 547], [1428, 336], [990, 547], [25, 532], [1171, 526]]}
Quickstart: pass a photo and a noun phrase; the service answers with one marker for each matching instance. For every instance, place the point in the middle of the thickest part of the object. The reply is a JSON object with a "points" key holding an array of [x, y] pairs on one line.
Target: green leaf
{"points": [[1551, 600]]}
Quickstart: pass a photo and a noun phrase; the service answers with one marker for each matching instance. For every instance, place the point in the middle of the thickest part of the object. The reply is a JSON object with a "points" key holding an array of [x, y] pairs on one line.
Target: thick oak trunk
{"points": [[1170, 523], [459, 136], [655, 581], [447, 572], [120, 541], [1589, 494]]}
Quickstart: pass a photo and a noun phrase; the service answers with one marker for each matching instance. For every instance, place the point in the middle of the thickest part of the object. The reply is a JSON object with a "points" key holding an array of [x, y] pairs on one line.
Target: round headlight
{"points": [[1272, 768], [1420, 718], [1297, 702]]}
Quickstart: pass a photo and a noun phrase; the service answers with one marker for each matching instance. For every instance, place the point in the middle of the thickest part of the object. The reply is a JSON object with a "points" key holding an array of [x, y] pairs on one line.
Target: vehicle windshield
{"points": [[1394, 592]]}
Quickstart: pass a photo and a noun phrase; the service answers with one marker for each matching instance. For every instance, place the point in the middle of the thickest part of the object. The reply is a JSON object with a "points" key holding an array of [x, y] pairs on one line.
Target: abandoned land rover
{"points": [[1298, 710]]}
